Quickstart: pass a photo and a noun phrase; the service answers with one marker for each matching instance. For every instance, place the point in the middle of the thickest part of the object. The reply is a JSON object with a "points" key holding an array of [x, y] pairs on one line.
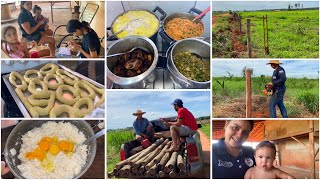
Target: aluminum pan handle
{"points": [[166, 37], [161, 11], [197, 11]]}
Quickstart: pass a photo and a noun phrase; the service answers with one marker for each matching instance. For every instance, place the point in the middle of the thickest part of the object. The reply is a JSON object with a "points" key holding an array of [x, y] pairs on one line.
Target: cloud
{"points": [[122, 104], [254, 5]]}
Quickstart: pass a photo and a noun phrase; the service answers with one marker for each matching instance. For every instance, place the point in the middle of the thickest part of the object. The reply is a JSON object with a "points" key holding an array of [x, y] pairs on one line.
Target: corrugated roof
{"points": [[255, 135]]}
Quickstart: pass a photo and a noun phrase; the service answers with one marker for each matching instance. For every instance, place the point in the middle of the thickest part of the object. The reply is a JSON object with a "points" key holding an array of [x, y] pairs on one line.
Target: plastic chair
{"points": [[88, 13]]}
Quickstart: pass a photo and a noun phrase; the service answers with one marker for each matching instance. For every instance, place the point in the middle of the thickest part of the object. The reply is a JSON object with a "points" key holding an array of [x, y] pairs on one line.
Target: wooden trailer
{"points": [[297, 143]]}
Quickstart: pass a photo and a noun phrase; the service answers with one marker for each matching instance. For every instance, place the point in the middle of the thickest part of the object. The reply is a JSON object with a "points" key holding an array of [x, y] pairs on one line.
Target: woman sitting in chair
{"points": [[90, 45], [31, 30]]}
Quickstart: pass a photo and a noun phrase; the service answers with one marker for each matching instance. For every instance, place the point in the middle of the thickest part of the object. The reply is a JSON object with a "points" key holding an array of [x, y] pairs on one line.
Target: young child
{"points": [[264, 156], [11, 44], [38, 17]]}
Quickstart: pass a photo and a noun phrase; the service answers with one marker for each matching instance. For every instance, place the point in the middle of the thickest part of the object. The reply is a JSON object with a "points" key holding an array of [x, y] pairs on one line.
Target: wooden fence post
{"points": [[240, 24], [311, 148], [267, 34], [248, 38], [248, 94]]}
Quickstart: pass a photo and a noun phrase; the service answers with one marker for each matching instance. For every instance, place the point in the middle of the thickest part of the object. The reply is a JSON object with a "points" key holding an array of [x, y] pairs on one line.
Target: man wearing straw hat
{"points": [[279, 88], [142, 127]]}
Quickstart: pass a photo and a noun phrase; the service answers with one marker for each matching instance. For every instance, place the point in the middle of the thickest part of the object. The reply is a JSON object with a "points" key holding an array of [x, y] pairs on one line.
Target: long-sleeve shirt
{"points": [[279, 79], [140, 127]]}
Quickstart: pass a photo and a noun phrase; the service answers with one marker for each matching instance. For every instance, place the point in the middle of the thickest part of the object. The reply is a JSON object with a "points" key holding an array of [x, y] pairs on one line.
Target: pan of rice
{"points": [[50, 149]]}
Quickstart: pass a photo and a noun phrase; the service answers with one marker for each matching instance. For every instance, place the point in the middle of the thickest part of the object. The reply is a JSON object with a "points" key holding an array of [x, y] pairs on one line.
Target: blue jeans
{"points": [[277, 99]]}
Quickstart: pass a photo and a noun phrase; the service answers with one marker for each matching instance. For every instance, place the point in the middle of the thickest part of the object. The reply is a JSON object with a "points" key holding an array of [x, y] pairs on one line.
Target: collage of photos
{"points": [[185, 89]]}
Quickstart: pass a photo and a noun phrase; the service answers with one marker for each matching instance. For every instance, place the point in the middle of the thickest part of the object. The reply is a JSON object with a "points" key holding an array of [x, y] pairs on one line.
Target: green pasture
{"points": [[292, 34], [114, 140]]}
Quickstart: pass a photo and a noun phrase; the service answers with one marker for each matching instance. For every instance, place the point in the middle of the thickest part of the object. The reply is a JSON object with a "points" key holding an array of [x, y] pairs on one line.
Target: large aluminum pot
{"points": [[192, 45], [124, 45], [14, 141], [154, 35], [163, 32]]}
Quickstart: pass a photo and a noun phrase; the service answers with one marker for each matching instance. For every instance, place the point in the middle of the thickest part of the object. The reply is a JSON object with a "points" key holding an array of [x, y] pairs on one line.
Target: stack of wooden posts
{"points": [[153, 162]]}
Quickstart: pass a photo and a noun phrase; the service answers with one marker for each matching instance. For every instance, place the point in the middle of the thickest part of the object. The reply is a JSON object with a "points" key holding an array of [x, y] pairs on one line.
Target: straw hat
{"points": [[274, 62], [138, 112]]}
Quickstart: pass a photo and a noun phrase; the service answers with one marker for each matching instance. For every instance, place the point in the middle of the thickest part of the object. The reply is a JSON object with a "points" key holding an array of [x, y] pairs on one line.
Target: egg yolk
{"points": [[44, 145], [64, 145], [50, 145], [54, 149]]}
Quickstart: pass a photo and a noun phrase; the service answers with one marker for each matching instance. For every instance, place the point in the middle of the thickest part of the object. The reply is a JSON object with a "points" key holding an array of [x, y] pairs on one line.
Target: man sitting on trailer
{"points": [[184, 125], [143, 129]]}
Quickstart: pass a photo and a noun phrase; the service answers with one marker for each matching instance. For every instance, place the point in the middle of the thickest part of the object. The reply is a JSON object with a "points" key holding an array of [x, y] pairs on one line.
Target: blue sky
{"points": [[156, 104], [254, 5], [293, 68]]}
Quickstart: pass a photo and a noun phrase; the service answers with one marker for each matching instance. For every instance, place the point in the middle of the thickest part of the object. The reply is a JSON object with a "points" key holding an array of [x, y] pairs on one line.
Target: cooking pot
{"points": [[188, 15], [153, 37], [14, 141], [124, 45], [192, 45]]}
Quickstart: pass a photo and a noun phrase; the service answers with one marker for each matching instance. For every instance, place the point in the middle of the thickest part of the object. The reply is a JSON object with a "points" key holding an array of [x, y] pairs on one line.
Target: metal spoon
{"points": [[137, 47], [92, 138]]}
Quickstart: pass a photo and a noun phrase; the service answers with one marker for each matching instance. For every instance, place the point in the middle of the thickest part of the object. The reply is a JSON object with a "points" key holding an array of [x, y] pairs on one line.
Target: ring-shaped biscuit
{"points": [[100, 101], [56, 111], [75, 92], [49, 68], [13, 77], [32, 71], [53, 76], [67, 77], [85, 86], [40, 98], [84, 101], [44, 111], [33, 83], [33, 112], [98, 91]]}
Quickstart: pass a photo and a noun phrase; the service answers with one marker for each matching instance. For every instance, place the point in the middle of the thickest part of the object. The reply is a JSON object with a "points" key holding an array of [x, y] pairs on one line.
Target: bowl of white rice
{"points": [[25, 138]]}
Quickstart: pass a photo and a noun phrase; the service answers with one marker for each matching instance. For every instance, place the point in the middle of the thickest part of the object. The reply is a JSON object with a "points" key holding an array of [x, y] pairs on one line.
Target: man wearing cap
{"points": [[279, 88], [142, 127], [184, 125]]}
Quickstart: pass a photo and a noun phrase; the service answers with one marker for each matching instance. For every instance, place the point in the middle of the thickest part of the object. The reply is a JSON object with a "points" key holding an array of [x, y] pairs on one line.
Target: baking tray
{"points": [[21, 106]]}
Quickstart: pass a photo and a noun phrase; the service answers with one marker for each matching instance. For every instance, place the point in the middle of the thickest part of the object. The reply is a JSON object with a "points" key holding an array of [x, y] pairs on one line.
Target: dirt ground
{"points": [[237, 109], [205, 142], [239, 49]]}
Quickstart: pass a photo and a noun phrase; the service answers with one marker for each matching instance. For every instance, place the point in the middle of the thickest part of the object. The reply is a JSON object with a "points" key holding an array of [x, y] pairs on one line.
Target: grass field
{"points": [[206, 130], [114, 140], [300, 93], [292, 34]]}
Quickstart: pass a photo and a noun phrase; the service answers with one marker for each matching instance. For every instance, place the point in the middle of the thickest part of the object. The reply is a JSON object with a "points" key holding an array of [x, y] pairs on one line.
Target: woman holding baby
{"points": [[232, 160], [32, 30]]}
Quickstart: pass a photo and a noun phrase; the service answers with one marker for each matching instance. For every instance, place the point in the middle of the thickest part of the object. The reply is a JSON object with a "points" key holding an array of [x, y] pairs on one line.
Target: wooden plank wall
{"points": [[294, 157]]}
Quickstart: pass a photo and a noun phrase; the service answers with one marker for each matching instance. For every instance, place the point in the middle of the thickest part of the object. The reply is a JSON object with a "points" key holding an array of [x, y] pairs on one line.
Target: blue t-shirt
{"points": [[225, 166], [278, 79], [90, 42], [26, 16], [140, 126]]}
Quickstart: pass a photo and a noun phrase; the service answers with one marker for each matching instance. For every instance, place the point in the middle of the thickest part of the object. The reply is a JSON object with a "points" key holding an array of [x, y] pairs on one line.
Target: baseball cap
{"points": [[177, 102]]}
